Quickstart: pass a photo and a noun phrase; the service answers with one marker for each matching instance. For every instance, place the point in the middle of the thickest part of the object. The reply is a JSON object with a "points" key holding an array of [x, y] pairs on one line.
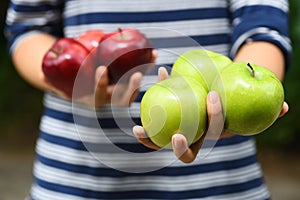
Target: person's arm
{"points": [[265, 54], [28, 56], [31, 32]]}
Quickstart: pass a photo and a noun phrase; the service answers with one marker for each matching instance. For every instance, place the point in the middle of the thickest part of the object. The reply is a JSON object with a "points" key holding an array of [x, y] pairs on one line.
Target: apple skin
{"points": [[123, 51], [252, 99], [91, 38], [61, 66], [175, 105], [202, 65]]}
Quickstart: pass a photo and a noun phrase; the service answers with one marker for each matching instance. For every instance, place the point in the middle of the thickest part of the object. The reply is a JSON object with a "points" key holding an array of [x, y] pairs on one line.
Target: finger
{"points": [[285, 109], [134, 86], [125, 94], [141, 136], [162, 74], [154, 55], [215, 116], [101, 84], [151, 65], [181, 149]]}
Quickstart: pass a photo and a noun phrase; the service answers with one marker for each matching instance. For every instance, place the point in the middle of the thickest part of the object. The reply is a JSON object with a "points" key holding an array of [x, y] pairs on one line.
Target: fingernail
{"points": [[213, 97], [139, 132], [99, 72], [177, 143]]}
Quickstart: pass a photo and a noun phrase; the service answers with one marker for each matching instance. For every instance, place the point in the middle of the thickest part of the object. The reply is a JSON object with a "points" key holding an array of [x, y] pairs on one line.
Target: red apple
{"points": [[61, 65], [125, 52], [91, 38]]}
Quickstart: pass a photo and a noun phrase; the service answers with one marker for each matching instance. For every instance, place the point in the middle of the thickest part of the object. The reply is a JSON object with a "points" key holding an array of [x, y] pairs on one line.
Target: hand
{"points": [[215, 129], [285, 109], [180, 146], [116, 94], [123, 94]]}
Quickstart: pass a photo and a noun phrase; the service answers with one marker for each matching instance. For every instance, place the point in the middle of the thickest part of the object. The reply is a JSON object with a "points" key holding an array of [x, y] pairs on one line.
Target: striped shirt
{"points": [[87, 154]]}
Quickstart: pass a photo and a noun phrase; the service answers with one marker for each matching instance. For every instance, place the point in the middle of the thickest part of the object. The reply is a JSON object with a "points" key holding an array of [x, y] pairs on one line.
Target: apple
{"points": [[202, 65], [61, 66], [91, 38], [175, 105], [125, 52], [251, 95]]}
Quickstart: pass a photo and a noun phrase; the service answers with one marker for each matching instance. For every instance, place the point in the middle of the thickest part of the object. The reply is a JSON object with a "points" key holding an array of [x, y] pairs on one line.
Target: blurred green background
{"points": [[21, 104]]}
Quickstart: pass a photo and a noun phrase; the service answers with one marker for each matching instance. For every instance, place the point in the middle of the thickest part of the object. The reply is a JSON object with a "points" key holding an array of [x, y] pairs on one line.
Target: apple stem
{"points": [[252, 70], [120, 31]]}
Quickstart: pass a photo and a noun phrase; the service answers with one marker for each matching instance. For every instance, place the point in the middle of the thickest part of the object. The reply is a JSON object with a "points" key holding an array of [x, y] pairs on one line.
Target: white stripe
{"points": [[85, 134], [258, 193], [40, 193], [222, 48], [67, 155], [253, 194], [122, 158], [169, 55], [94, 6], [161, 29], [53, 102], [160, 183], [35, 18], [280, 4]]}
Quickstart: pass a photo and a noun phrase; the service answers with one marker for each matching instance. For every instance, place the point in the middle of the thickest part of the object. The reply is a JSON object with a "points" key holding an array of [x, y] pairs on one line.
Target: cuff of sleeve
{"points": [[19, 39], [263, 34]]}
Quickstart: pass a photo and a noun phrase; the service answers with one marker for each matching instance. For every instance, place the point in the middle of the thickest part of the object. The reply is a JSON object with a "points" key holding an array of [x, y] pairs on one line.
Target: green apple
{"points": [[252, 97], [175, 105], [202, 65]]}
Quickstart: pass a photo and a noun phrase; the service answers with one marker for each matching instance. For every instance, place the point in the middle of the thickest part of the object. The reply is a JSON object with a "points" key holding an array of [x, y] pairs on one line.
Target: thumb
{"points": [[101, 84]]}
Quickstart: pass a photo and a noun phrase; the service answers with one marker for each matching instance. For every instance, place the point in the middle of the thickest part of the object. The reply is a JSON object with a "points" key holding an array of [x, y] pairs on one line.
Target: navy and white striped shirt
{"points": [[83, 154]]}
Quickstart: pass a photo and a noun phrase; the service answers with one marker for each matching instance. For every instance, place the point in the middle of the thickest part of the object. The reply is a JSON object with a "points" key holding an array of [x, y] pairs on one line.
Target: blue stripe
{"points": [[200, 193], [256, 18], [34, 8], [267, 10], [78, 145], [14, 31], [237, 139], [166, 171], [141, 17], [193, 41], [104, 123], [94, 147], [108, 123]]}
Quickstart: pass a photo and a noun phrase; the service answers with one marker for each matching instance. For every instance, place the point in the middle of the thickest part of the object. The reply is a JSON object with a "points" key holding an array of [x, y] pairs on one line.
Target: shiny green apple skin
{"points": [[175, 105], [202, 65], [252, 99]]}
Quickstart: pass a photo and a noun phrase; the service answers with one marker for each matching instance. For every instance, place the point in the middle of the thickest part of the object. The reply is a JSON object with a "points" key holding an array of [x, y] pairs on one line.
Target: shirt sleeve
{"points": [[260, 20], [29, 17]]}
